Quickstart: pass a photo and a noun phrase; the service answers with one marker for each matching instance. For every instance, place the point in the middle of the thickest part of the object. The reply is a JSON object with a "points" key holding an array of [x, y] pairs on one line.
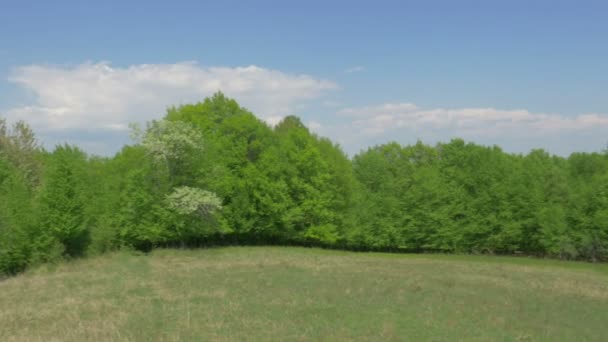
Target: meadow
{"points": [[290, 293]]}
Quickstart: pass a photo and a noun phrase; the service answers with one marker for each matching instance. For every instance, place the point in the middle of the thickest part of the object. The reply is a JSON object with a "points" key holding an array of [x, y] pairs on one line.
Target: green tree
{"points": [[142, 219], [62, 203], [18, 146], [16, 220]]}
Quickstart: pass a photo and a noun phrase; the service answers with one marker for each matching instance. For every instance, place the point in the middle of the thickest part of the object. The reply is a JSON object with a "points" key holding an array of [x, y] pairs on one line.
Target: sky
{"points": [[518, 74]]}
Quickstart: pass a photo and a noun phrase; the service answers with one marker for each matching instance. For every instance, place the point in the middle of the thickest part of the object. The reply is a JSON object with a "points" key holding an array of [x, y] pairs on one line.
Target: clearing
{"points": [[287, 293]]}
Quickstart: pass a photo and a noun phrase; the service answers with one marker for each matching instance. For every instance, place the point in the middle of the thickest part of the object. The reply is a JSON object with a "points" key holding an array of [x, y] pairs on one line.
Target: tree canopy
{"points": [[212, 173]]}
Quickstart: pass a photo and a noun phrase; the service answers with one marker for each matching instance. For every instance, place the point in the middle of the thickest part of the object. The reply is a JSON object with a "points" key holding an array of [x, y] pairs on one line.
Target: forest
{"points": [[212, 173]]}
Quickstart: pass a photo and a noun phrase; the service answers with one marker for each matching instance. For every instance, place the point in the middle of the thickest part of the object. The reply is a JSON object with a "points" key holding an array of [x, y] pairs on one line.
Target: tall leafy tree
{"points": [[62, 202], [16, 220]]}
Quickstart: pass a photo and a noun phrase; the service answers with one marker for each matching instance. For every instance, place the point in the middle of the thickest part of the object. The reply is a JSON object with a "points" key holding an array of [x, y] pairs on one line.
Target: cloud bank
{"points": [[71, 101], [91, 105], [516, 130]]}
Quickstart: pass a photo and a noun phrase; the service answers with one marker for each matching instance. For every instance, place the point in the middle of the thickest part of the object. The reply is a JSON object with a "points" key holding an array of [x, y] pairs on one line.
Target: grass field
{"points": [[281, 293]]}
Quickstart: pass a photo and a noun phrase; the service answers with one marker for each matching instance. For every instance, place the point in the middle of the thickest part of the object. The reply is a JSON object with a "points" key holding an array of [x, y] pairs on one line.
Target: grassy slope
{"points": [[278, 293]]}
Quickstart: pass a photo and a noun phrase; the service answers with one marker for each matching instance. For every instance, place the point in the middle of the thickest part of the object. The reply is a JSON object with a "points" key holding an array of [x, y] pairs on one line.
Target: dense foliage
{"points": [[213, 173]]}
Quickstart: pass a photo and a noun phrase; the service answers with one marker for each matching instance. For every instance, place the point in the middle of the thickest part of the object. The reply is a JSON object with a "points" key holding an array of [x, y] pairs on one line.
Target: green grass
{"points": [[280, 294]]}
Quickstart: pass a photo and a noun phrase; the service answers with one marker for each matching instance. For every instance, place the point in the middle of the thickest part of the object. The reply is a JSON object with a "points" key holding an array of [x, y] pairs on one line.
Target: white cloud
{"points": [[273, 120], [314, 126], [91, 104], [100, 96], [354, 69], [517, 130], [331, 103], [379, 119]]}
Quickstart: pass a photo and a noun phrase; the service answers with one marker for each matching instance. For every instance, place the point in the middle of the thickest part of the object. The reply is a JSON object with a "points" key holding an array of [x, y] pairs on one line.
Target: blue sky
{"points": [[521, 74]]}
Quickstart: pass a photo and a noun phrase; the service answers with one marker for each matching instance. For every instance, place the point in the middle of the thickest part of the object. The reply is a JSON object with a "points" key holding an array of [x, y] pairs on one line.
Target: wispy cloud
{"points": [[314, 125], [488, 121], [74, 99], [354, 69], [517, 130]]}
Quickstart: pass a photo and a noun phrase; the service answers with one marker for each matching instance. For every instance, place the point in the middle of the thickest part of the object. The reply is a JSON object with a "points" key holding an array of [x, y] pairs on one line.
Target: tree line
{"points": [[212, 173]]}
